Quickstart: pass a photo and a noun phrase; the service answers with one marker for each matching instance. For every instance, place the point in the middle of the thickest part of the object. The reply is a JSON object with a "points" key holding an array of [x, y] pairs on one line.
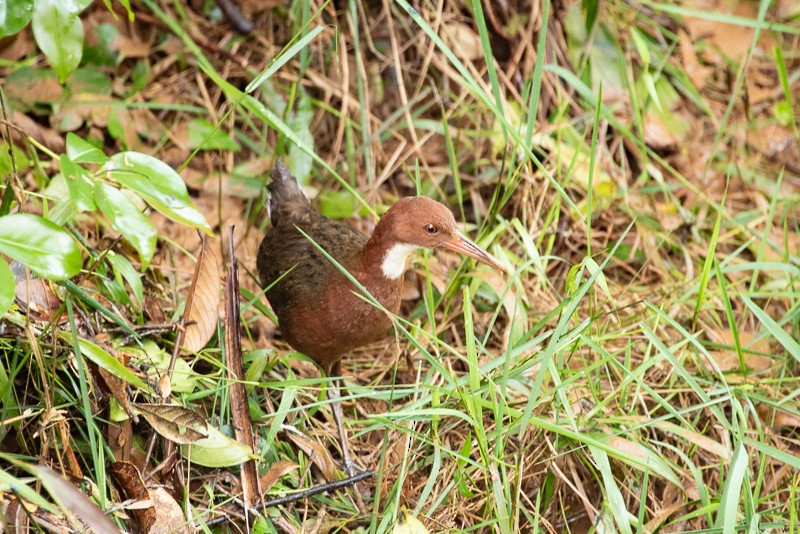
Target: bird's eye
{"points": [[431, 229]]}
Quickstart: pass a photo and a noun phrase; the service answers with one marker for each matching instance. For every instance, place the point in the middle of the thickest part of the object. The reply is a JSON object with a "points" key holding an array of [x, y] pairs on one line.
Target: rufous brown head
{"points": [[421, 222]]}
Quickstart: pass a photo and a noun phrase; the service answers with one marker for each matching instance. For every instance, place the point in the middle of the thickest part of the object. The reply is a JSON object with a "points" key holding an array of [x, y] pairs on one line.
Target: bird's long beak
{"points": [[463, 245]]}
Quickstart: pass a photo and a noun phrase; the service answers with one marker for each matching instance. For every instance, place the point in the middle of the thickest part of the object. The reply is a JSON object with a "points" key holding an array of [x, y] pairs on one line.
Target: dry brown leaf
{"points": [[130, 48], [786, 9], [275, 472], [36, 298], [169, 516], [15, 518], [698, 73], [657, 135], [728, 40], [120, 438], [174, 422], [318, 454], [728, 359], [129, 481], [705, 443], [776, 418], [777, 143], [115, 385], [31, 90], [27, 126], [463, 40], [17, 47], [202, 318], [516, 313]]}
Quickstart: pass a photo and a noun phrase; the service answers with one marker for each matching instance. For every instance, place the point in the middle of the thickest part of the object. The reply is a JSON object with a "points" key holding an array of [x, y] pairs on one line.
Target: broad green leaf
{"points": [[7, 285], [81, 151], [49, 250], [206, 136], [128, 220], [14, 15], [158, 184], [155, 360], [106, 361], [20, 159], [59, 34], [79, 183], [216, 450]]}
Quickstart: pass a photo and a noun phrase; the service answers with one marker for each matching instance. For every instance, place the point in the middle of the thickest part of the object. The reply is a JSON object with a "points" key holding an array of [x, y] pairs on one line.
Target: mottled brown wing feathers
{"points": [[284, 246]]}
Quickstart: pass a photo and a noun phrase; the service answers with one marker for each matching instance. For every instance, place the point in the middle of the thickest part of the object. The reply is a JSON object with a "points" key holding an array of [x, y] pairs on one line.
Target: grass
{"points": [[636, 373]]}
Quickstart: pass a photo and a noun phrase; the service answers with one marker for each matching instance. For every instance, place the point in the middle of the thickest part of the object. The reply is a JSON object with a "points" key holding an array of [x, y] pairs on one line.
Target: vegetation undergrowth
{"points": [[634, 166]]}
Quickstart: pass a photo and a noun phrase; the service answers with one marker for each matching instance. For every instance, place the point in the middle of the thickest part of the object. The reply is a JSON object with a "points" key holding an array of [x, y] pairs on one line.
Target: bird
{"points": [[319, 309]]}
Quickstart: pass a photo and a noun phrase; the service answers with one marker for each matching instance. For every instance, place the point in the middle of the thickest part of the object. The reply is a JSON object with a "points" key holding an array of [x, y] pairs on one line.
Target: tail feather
{"points": [[287, 200]]}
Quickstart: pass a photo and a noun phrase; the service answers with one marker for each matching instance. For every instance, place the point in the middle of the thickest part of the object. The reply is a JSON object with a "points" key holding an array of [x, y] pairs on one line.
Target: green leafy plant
{"points": [[57, 28], [119, 190]]}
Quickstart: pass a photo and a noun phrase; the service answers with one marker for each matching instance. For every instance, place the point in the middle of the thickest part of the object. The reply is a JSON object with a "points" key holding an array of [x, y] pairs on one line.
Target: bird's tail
{"points": [[286, 199]]}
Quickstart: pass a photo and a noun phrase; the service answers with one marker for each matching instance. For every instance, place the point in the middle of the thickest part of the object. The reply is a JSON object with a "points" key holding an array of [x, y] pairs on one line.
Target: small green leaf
{"points": [[81, 151], [158, 184], [217, 450], [128, 220], [205, 135], [59, 34], [20, 159], [79, 183], [46, 248], [337, 204], [156, 362], [640, 42], [123, 269], [14, 15], [783, 112], [7, 284], [105, 361], [90, 81]]}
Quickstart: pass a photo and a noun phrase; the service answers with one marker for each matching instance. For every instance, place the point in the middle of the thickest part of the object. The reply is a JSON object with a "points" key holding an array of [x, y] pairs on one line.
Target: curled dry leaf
{"points": [[318, 454], [174, 422], [129, 481], [274, 474], [203, 315], [169, 516]]}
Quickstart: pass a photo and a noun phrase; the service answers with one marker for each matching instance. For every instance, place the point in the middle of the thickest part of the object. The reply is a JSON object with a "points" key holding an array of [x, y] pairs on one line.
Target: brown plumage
{"points": [[318, 308], [319, 313]]}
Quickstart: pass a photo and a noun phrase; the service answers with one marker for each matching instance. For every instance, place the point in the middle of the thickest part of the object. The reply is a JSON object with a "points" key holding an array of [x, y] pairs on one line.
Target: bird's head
{"points": [[420, 222]]}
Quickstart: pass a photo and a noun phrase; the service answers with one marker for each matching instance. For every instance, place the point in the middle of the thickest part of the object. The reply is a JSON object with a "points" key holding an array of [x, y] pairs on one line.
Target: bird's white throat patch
{"points": [[394, 263]]}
